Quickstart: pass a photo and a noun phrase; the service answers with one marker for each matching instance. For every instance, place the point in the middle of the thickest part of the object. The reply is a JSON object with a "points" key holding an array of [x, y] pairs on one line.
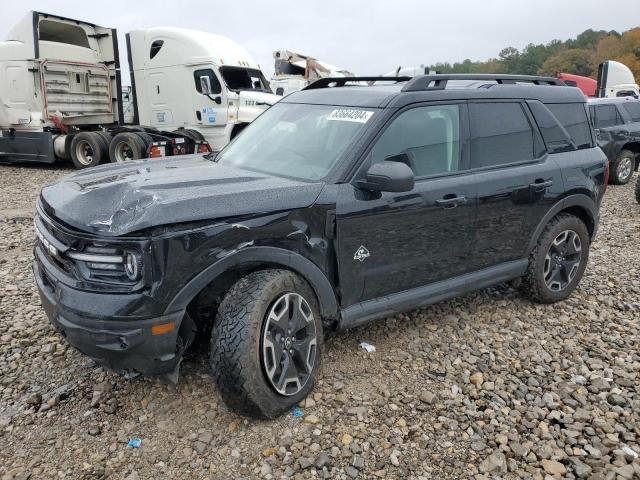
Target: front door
{"points": [[391, 242], [207, 113]]}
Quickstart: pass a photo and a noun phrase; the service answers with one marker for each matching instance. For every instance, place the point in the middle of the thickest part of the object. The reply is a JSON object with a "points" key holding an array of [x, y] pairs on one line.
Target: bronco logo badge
{"points": [[361, 253]]}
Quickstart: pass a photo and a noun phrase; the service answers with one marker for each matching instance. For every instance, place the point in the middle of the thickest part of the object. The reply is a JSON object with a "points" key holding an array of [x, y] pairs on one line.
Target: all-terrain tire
{"points": [[88, 149], [236, 354], [622, 167], [127, 146], [533, 283]]}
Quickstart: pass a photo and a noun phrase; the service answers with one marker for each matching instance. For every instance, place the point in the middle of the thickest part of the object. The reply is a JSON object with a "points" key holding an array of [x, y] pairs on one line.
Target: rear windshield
{"points": [[633, 109], [573, 117]]}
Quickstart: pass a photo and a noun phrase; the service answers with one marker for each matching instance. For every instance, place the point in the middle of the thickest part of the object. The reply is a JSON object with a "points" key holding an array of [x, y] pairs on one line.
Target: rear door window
{"points": [[573, 117], [500, 134], [633, 109], [607, 116]]}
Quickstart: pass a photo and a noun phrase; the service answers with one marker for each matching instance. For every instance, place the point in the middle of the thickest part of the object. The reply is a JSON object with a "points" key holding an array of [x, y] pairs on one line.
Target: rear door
{"points": [[517, 180], [391, 242]]}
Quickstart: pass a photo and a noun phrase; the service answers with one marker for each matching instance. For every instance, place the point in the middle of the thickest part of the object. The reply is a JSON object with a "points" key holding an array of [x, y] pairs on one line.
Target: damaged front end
{"points": [[97, 294]]}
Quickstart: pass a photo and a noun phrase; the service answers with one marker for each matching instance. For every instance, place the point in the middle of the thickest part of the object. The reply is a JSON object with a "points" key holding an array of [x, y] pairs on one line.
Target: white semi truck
{"points": [[61, 94]]}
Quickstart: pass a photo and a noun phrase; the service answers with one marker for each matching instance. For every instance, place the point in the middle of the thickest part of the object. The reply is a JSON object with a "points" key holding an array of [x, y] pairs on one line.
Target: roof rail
{"points": [[340, 81], [439, 81]]}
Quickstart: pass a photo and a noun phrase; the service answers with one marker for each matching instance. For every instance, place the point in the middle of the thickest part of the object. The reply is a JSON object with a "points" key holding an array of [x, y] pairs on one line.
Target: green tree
{"points": [[574, 60]]}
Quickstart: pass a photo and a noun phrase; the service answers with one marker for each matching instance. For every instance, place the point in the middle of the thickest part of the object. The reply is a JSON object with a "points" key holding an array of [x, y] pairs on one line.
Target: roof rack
{"points": [[439, 81], [341, 81]]}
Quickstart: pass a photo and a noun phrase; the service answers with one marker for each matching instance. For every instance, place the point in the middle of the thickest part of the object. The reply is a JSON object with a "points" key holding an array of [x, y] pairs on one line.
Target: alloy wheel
{"points": [[625, 167], [289, 344], [562, 261]]}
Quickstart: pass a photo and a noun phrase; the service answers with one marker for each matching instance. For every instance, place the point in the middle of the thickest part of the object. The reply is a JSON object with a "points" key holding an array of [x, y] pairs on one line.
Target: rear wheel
{"points": [[558, 261], [266, 343], [127, 146], [622, 167], [88, 149]]}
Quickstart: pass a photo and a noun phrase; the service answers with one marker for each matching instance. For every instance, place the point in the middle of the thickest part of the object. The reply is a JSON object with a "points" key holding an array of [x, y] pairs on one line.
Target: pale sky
{"points": [[367, 37]]}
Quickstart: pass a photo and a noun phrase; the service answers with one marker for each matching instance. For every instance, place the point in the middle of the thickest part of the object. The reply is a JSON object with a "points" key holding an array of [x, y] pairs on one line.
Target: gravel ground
{"points": [[484, 386]]}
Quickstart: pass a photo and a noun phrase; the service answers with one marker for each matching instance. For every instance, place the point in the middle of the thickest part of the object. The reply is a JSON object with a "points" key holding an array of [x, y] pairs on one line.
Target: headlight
{"points": [[132, 266], [110, 264]]}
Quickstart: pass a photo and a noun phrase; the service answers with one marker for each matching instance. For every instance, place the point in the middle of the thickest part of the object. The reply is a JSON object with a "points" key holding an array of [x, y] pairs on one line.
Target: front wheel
{"points": [[266, 343], [558, 261]]}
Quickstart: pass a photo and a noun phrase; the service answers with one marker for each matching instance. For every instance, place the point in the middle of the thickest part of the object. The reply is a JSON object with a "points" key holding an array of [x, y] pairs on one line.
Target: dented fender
{"points": [[262, 254]]}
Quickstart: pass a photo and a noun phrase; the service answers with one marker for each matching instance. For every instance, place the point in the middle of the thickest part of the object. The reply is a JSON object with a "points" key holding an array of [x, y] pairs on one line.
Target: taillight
{"points": [[203, 148], [156, 149]]}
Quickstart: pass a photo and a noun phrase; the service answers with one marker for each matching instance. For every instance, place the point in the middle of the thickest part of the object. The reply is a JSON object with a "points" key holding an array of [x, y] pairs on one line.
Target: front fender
{"points": [[268, 255]]}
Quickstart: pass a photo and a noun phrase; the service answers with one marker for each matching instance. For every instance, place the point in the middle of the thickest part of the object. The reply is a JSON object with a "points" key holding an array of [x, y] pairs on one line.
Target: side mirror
{"points": [[205, 85], [388, 176], [217, 99], [280, 91]]}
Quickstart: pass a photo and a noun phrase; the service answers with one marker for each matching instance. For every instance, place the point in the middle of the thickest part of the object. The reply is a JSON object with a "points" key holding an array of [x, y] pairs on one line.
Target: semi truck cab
{"points": [[183, 78]]}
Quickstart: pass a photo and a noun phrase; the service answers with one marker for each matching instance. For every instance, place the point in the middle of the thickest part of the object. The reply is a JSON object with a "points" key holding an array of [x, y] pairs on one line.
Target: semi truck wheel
{"points": [[190, 133], [127, 146], [88, 149]]}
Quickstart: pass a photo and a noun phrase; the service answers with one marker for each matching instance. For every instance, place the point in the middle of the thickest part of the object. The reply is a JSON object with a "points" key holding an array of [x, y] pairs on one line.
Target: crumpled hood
{"points": [[121, 198]]}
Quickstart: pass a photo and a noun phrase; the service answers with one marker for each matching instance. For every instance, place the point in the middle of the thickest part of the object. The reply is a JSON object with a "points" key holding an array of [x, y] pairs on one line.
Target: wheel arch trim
{"points": [[269, 255], [576, 200]]}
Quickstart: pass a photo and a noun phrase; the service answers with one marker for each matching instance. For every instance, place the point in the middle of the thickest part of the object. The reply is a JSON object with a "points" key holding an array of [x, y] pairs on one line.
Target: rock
{"points": [[494, 463], [553, 467], [394, 458], [200, 447], [312, 419], [625, 471], [477, 379], [34, 399], [94, 430], [427, 397], [205, 437], [352, 472], [358, 462], [346, 439], [322, 460], [267, 452], [615, 399], [304, 463], [581, 469]]}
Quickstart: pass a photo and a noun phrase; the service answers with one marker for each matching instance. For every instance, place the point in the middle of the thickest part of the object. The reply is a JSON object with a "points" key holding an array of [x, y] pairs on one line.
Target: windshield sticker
{"points": [[346, 115]]}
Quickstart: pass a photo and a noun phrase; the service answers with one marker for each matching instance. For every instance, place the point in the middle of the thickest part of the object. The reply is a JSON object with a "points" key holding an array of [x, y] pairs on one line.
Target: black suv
{"points": [[340, 204], [617, 125]]}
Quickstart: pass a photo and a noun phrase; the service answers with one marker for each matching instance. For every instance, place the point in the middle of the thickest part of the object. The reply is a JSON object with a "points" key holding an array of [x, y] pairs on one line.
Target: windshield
{"points": [[296, 140], [239, 78]]}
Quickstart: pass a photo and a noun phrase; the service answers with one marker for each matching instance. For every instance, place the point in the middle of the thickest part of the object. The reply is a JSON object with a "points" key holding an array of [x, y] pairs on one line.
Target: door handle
{"points": [[451, 202], [540, 186]]}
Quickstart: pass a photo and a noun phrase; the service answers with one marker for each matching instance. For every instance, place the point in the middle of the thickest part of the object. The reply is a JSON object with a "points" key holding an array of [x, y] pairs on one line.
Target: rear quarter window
{"points": [[573, 117], [607, 116], [633, 109]]}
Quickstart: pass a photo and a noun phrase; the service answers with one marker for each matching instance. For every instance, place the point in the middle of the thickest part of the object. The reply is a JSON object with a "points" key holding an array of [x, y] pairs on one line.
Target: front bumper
{"points": [[125, 345]]}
